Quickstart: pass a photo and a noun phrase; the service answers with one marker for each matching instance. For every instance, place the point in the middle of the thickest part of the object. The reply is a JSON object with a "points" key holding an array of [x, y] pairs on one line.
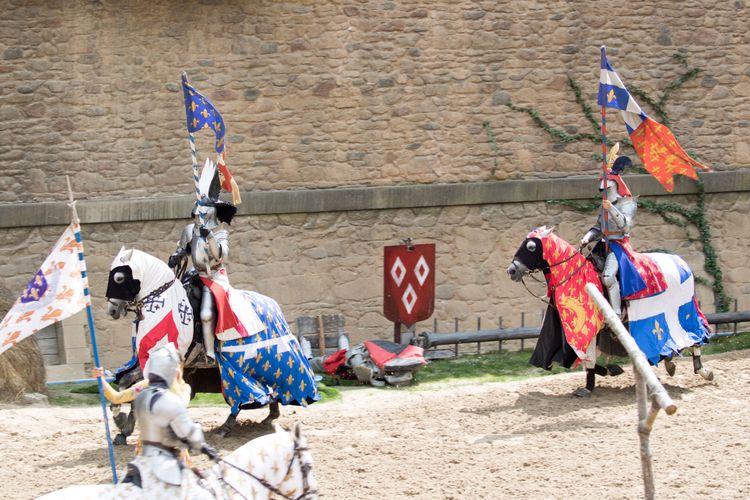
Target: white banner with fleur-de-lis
{"points": [[54, 293]]}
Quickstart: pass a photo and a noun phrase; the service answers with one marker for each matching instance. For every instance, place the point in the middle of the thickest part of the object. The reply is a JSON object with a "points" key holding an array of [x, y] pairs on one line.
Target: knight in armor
{"points": [[165, 429], [620, 206], [206, 241]]}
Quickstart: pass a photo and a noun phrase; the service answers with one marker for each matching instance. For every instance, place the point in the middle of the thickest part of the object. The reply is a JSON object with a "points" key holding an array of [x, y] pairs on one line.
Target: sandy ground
{"points": [[527, 439]]}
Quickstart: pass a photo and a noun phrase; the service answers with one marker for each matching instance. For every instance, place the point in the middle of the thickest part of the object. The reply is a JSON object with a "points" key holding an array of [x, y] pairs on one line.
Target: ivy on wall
{"points": [[493, 143], [671, 213]]}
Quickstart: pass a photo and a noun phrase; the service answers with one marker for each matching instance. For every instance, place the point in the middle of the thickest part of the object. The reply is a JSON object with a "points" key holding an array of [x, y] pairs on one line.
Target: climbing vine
{"points": [[491, 137], [671, 213]]}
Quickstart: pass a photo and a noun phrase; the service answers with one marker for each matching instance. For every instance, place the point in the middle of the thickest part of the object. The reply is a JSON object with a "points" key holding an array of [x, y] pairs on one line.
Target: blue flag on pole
{"points": [[202, 114]]}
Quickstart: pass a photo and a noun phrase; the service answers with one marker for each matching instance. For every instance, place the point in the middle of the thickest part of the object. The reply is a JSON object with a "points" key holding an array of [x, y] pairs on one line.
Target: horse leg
{"points": [[670, 366], [274, 412], [706, 373], [228, 425], [584, 392], [125, 423]]}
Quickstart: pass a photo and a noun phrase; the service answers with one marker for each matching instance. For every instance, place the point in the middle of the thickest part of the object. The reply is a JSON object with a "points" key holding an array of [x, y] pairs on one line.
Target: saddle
{"points": [[638, 273]]}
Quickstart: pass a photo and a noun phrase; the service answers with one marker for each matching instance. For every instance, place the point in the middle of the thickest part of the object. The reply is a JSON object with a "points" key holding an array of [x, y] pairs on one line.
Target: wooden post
{"points": [[455, 329], [321, 336], [479, 327], [500, 326], [647, 386], [656, 390], [397, 332], [645, 423]]}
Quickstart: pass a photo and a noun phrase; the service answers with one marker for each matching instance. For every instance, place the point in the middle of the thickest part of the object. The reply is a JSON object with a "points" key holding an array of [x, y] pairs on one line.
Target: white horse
{"points": [[264, 369], [277, 464]]}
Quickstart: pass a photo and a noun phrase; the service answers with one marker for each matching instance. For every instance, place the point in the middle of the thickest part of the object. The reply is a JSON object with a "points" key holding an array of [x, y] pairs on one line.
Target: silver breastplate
{"points": [[620, 226], [155, 408], [201, 255]]}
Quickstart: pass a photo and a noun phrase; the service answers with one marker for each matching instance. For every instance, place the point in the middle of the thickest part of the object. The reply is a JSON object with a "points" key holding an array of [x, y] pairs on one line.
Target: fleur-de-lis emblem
{"points": [[611, 95], [658, 330]]}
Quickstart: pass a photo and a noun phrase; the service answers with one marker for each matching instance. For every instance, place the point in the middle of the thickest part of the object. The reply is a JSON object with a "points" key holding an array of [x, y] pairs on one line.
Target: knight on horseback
{"points": [[620, 207], [165, 428], [206, 240]]}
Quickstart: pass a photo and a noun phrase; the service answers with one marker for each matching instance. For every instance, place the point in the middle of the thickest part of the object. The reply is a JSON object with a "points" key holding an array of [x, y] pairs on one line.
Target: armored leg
{"points": [[609, 279], [208, 322]]}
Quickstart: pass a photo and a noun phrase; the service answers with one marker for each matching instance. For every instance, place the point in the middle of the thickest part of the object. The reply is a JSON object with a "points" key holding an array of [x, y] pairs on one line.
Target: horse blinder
{"points": [[121, 284]]}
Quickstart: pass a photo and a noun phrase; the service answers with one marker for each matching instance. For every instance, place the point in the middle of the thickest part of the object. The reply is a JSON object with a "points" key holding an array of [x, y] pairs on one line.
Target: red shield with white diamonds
{"points": [[409, 283]]}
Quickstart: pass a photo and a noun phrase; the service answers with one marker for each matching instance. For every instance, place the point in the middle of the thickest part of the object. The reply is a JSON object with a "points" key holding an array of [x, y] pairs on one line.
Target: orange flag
{"points": [[662, 155]]}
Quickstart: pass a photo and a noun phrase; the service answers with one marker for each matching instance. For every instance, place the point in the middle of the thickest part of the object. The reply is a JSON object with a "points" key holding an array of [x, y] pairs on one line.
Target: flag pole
{"points": [[194, 157], [92, 332], [604, 154]]}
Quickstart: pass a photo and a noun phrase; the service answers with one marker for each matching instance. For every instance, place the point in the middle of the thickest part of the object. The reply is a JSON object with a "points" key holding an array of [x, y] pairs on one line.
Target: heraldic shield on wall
{"points": [[409, 282]]}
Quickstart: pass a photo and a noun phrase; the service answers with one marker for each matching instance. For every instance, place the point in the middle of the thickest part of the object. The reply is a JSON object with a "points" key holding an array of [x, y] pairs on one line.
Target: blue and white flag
{"points": [[202, 114], [664, 324]]}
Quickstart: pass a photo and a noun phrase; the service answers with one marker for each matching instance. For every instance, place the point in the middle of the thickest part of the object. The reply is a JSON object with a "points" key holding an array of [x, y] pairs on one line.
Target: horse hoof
{"points": [[614, 370], [120, 440], [223, 432], [670, 367], [582, 392], [706, 374], [600, 370]]}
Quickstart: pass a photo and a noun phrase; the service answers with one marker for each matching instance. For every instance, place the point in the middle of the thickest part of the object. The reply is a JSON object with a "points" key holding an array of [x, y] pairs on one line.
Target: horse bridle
{"points": [[305, 468], [548, 268], [136, 305]]}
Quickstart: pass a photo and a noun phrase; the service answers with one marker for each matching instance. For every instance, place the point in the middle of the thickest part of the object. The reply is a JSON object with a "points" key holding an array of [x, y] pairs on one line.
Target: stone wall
{"points": [[333, 93], [320, 94], [333, 262]]}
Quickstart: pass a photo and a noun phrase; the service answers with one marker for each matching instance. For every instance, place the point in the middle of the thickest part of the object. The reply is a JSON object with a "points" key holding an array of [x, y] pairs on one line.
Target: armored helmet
{"points": [[616, 187], [211, 209], [163, 363]]}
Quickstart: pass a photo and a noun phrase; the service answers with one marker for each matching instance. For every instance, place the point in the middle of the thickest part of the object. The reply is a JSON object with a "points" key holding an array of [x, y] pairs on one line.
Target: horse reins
{"points": [[548, 268], [136, 306], [304, 467]]}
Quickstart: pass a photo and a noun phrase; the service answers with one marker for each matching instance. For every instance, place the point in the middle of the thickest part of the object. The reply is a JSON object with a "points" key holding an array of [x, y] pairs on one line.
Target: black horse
{"points": [[563, 266]]}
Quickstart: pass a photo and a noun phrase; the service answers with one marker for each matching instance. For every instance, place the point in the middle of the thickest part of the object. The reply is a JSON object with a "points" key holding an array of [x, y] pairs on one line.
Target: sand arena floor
{"points": [[527, 439]]}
